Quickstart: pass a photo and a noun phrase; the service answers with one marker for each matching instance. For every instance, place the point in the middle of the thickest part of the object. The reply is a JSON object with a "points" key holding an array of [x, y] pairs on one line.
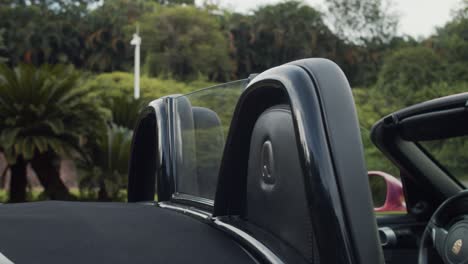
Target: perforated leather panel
{"points": [[276, 199]]}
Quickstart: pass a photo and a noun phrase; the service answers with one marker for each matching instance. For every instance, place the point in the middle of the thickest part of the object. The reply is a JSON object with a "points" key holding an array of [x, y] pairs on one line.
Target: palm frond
{"points": [[45, 109]]}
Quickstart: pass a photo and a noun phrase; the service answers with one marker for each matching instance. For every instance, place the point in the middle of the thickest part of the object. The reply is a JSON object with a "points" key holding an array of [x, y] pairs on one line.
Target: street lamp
{"points": [[136, 41]]}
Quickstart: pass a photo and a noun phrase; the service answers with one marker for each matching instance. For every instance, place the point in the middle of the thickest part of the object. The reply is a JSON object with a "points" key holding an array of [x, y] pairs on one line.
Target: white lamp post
{"points": [[136, 41]]}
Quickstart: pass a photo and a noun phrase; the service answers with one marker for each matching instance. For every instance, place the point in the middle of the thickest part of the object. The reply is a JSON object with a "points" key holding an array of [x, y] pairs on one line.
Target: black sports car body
{"points": [[264, 170]]}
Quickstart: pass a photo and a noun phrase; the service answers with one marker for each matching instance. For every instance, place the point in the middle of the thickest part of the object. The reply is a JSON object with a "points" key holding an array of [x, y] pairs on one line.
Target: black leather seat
{"points": [[209, 144], [330, 167], [199, 131], [186, 162], [276, 199]]}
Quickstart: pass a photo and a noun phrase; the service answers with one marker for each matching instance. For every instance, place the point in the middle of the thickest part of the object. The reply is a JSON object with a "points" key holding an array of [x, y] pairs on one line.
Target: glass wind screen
{"points": [[202, 121], [451, 154]]}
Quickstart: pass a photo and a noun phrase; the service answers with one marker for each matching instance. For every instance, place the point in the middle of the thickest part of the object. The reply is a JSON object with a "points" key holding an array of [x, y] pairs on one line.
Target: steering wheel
{"points": [[448, 231]]}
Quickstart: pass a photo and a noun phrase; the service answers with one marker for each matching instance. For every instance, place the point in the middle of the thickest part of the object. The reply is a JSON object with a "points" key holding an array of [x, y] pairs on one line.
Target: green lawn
{"points": [[33, 195], [390, 213]]}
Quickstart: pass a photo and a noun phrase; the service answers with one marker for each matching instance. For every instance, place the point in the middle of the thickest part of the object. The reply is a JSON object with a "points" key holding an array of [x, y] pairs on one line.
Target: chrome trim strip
{"points": [[148, 203], [254, 243], [266, 252], [156, 106], [191, 198], [186, 210]]}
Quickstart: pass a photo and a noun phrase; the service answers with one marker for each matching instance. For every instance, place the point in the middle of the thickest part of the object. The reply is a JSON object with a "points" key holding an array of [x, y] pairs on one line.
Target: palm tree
{"points": [[44, 115], [125, 110], [104, 175]]}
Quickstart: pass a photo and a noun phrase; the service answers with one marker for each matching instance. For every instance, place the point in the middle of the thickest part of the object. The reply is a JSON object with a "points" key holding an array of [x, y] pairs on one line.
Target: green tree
{"points": [[44, 115], [288, 31], [125, 110], [184, 42], [362, 63], [120, 85], [116, 92], [69, 32], [107, 44], [104, 174], [451, 42], [37, 35], [371, 105], [279, 33], [241, 37], [409, 72], [369, 29]]}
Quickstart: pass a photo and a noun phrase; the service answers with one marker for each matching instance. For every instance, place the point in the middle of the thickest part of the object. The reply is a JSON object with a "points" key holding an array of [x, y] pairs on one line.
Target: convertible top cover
{"points": [[75, 232]]}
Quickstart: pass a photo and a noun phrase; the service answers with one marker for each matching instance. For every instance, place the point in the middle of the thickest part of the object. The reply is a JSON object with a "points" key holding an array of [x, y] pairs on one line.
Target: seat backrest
{"points": [[276, 198], [199, 147], [331, 158], [209, 144], [186, 162]]}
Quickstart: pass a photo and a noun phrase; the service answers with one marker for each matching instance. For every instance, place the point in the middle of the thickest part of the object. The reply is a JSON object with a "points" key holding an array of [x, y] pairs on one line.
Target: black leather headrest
{"points": [[209, 146], [199, 148], [276, 199], [186, 162]]}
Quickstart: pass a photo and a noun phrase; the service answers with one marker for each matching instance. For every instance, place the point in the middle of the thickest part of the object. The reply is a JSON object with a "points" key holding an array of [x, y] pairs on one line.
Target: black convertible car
{"points": [[264, 170]]}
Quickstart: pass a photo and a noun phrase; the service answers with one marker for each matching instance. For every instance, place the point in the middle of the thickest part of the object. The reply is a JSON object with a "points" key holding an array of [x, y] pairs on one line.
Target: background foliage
{"points": [[187, 47], [186, 43]]}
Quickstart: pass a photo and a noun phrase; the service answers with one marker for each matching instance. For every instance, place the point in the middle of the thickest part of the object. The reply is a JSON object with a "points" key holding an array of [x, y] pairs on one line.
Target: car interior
{"points": [[426, 182]]}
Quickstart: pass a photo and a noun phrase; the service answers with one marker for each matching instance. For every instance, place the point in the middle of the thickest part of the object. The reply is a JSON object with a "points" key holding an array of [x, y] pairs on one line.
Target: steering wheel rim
{"points": [[451, 251]]}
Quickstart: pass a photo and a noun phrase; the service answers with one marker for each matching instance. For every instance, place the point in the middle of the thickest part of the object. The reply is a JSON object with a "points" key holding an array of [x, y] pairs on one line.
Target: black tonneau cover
{"points": [[76, 232]]}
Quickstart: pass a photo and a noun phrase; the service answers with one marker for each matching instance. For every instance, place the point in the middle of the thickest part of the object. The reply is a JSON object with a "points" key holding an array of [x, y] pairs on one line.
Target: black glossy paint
{"points": [[347, 156], [331, 154], [330, 149], [158, 138], [165, 183]]}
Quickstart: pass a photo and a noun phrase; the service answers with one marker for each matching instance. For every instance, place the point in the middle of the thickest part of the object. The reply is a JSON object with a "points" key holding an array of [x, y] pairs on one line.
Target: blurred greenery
{"points": [[104, 175], [222, 99], [373, 104], [452, 154], [277, 41], [44, 109], [2, 45], [208, 135], [186, 43], [410, 69], [72, 60], [44, 115], [118, 84]]}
